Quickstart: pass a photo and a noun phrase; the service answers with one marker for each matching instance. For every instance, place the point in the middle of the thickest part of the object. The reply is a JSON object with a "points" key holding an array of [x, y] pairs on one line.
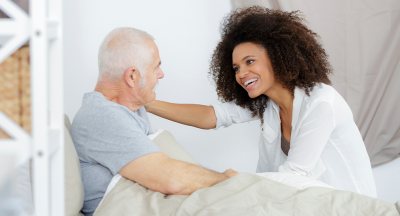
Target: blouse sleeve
{"points": [[306, 148], [230, 113]]}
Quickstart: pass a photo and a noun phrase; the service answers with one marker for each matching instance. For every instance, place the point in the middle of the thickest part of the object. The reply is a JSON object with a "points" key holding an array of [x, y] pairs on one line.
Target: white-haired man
{"points": [[110, 129]]}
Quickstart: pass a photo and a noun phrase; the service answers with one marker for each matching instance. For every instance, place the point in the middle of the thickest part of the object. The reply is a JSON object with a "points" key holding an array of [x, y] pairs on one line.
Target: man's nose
{"points": [[160, 74]]}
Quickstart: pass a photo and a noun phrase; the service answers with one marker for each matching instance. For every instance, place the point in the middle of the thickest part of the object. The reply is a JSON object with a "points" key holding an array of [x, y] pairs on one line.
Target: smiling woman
{"points": [[253, 70], [270, 66], [287, 47]]}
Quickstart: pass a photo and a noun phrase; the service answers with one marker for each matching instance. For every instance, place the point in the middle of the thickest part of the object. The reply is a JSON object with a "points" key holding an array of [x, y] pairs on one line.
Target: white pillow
{"points": [[300, 182], [74, 194], [169, 146], [21, 181]]}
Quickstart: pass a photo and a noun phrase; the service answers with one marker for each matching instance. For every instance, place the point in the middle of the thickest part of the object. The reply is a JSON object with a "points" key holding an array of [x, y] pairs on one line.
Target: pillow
{"points": [[300, 182], [169, 146], [67, 122], [15, 183], [74, 194], [23, 186]]}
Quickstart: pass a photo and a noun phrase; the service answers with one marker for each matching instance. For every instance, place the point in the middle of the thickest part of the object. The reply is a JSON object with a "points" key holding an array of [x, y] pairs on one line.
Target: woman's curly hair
{"points": [[297, 58]]}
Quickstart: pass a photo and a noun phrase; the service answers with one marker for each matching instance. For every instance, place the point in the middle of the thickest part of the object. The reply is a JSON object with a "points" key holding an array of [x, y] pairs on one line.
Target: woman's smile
{"points": [[250, 83]]}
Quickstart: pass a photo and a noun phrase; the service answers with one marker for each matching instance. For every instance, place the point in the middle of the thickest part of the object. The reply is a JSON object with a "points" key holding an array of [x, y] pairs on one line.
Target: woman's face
{"points": [[253, 69]]}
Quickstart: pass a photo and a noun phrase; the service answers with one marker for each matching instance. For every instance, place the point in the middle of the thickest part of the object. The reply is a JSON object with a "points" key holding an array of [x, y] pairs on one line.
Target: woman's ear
{"points": [[132, 77]]}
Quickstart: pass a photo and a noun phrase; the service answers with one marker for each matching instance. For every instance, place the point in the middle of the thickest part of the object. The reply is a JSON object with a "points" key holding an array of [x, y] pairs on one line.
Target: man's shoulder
{"points": [[97, 111], [95, 115], [101, 116]]}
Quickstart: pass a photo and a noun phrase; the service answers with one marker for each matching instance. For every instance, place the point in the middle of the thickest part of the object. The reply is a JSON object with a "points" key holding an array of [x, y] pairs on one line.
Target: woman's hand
{"points": [[147, 106], [231, 173]]}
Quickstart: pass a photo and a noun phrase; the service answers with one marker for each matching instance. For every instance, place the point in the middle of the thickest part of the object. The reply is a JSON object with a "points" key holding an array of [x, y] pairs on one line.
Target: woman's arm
{"points": [[195, 115]]}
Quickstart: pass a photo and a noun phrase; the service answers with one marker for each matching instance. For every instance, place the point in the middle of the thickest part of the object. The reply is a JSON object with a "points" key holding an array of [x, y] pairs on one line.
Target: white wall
{"points": [[186, 33]]}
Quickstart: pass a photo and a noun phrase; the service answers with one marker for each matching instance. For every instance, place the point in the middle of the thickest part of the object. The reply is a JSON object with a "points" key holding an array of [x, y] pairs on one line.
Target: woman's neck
{"points": [[282, 97]]}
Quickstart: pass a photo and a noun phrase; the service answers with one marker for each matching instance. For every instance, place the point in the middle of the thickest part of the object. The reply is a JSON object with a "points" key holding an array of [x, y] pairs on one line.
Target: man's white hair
{"points": [[121, 49]]}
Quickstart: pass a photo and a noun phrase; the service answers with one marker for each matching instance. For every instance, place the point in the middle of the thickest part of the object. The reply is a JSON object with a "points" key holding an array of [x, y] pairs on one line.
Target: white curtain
{"points": [[362, 38]]}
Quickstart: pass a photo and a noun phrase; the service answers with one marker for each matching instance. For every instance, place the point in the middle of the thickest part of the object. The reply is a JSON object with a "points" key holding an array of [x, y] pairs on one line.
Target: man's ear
{"points": [[132, 76]]}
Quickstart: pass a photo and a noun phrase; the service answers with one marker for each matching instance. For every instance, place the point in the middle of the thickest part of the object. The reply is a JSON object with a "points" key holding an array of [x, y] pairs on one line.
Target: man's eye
{"points": [[250, 61]]}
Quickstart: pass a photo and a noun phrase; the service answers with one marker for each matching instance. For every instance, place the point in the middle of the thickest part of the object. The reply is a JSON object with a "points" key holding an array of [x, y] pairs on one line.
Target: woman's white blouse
{"points": [[325, 142]]}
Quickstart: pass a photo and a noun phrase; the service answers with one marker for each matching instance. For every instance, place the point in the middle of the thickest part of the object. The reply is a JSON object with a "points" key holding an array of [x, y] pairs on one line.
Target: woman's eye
{"points": [[236, 69], [250, 61]]}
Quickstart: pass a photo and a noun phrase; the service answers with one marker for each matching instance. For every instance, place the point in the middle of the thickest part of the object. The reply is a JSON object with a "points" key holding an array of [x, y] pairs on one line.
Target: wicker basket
{"points": [[15, 90]]}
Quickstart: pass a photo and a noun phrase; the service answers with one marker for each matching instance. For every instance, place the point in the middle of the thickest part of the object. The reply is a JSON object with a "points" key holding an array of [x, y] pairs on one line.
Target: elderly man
{"points": [[110, 129]]}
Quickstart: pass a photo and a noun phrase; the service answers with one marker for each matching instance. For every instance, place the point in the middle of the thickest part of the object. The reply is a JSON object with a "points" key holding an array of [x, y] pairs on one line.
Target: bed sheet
{"points": [[244, 194]]}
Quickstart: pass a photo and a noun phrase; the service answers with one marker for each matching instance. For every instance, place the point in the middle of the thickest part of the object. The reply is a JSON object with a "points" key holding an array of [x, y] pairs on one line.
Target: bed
{"points": [[244, 194]]}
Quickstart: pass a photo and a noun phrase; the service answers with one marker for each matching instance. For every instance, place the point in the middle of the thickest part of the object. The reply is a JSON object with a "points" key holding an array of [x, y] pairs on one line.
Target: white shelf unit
{"points": [[43, 28]]}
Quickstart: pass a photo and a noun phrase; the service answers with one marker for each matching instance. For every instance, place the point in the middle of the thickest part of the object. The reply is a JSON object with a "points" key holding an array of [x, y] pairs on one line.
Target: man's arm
{"points": [[161, 173], [195, 115]]}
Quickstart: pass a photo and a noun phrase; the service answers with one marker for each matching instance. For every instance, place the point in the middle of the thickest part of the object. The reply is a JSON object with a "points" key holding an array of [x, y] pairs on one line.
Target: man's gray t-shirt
{"points": [[107, 136]]}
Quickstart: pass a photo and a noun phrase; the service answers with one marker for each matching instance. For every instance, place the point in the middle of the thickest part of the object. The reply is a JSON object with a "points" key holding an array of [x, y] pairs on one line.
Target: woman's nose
{"points": [[243, 73]]}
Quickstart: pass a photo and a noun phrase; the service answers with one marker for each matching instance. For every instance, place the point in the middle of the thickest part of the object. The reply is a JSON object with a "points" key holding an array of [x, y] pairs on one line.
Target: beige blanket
{"points": [[245, 194]]}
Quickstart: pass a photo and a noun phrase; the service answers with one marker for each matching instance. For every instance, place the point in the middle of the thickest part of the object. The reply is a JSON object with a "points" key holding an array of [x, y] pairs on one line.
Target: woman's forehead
{"points": [[244, 49]]}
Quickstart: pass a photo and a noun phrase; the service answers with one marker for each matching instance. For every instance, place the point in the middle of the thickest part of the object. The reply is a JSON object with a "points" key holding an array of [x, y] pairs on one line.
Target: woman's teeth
{"points": [[250, 82]]}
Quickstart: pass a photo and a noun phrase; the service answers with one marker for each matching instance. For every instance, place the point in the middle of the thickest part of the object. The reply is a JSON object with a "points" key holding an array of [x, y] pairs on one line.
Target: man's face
{"points": [[153, 73]]}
